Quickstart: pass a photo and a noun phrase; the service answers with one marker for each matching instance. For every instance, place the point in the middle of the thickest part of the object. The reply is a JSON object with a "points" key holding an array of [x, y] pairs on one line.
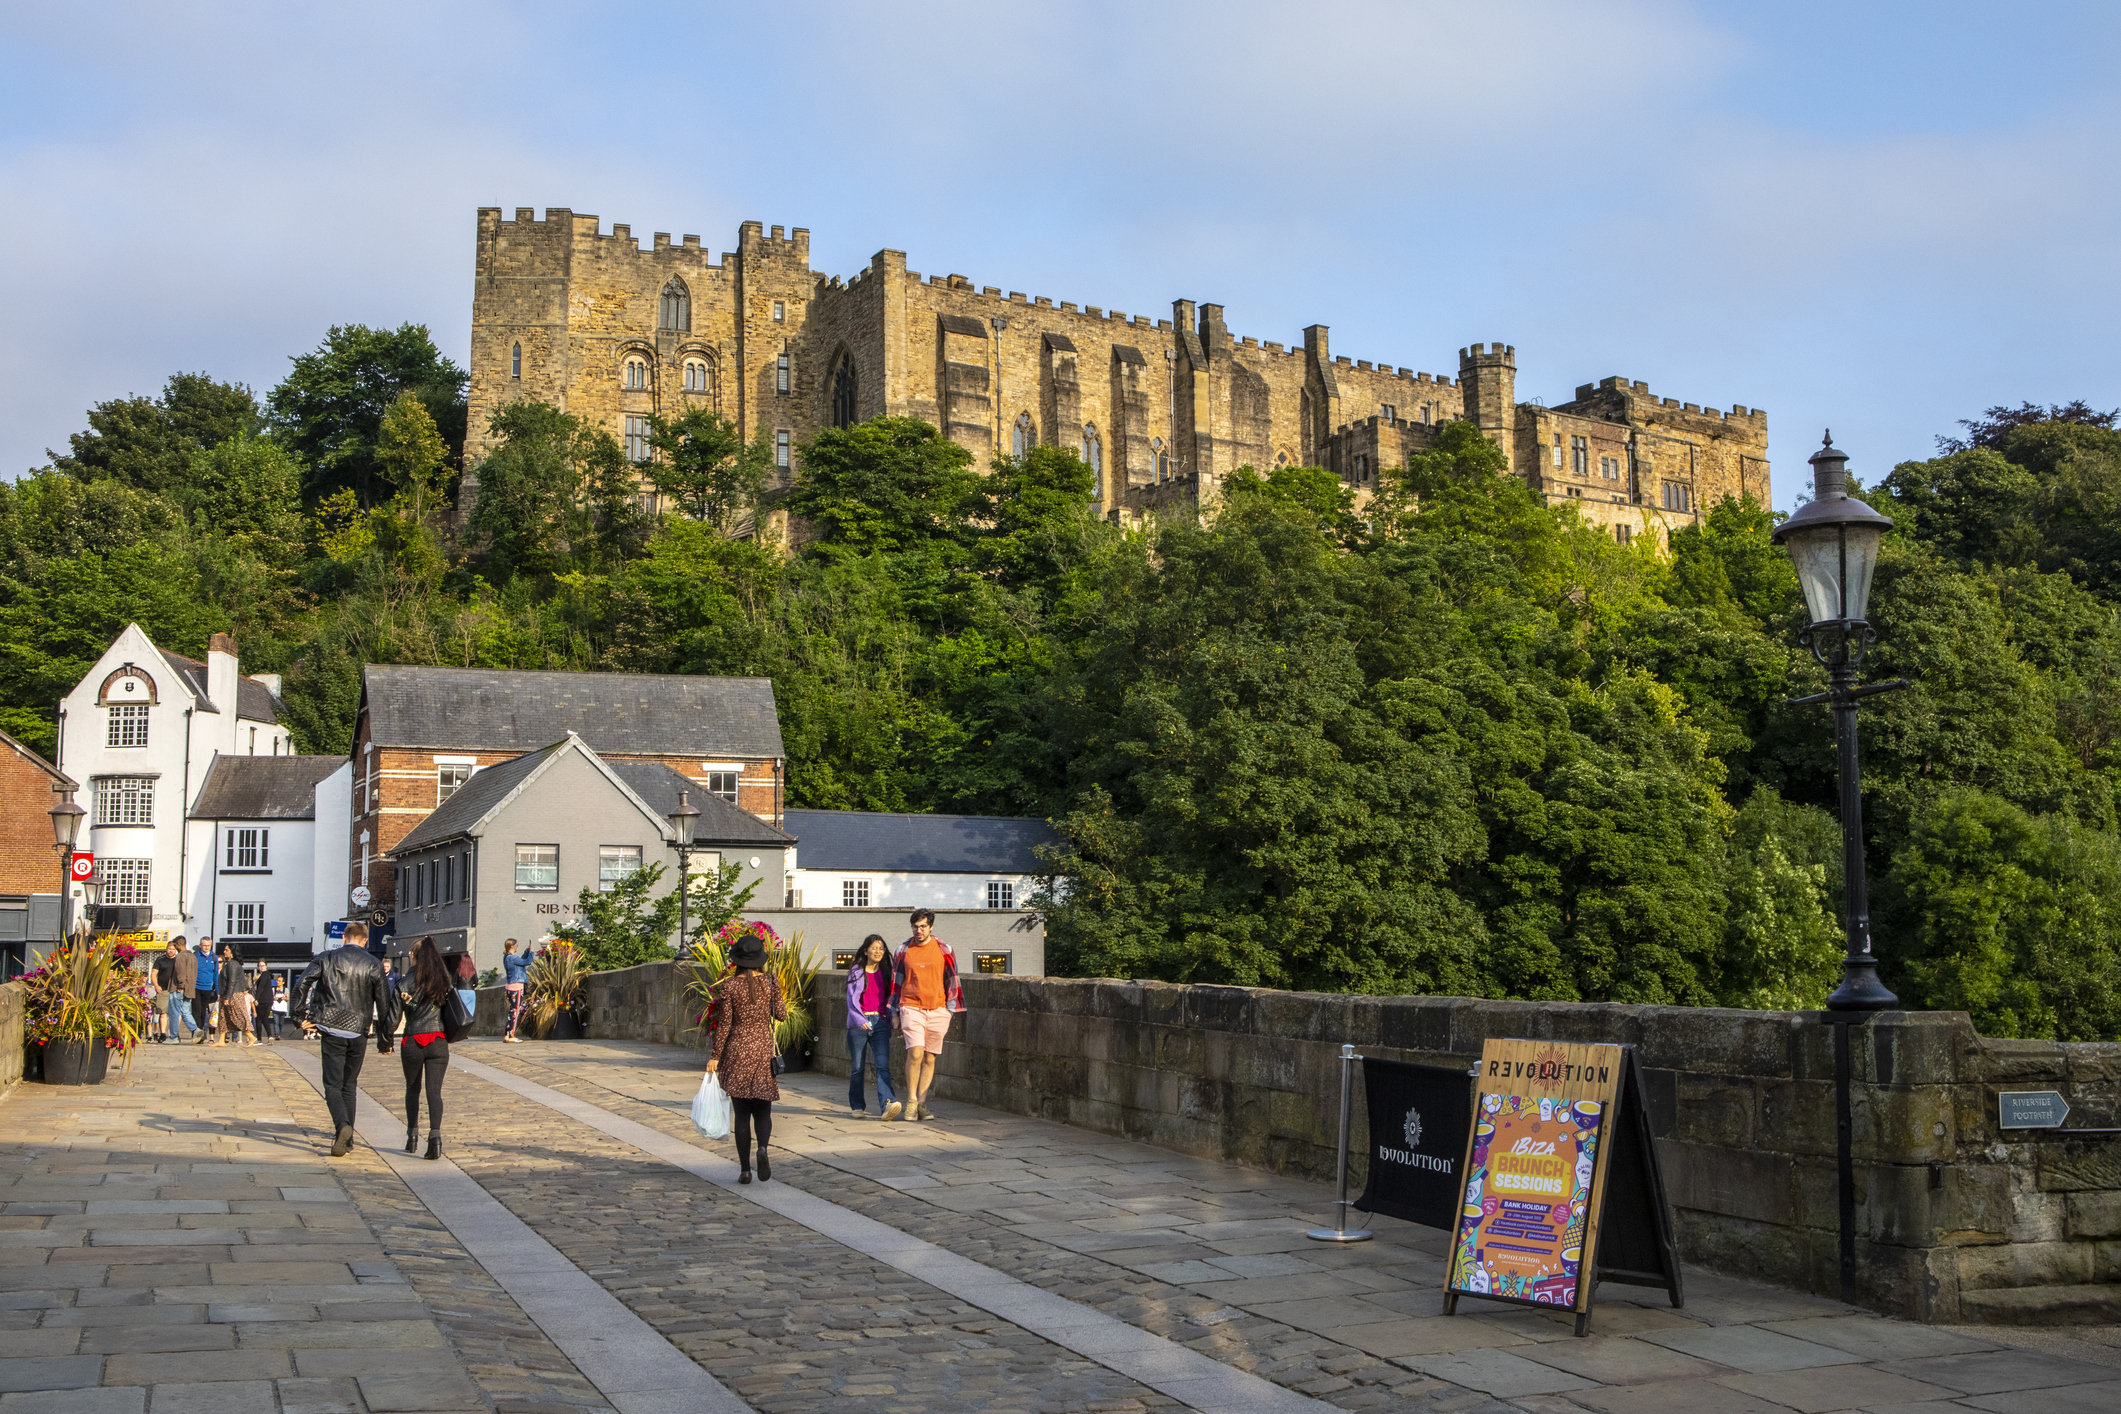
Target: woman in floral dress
{"points": [[748, 1003]]}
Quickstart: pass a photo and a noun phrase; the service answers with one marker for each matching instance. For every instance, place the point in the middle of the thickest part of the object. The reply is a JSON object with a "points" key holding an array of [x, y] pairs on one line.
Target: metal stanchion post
{"points": [[1339, 1232]]}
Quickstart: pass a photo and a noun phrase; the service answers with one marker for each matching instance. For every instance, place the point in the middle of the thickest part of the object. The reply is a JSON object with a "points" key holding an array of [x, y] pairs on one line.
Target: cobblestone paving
{"points": [[514, 1364], [788, 1319], [1151, 1237]]}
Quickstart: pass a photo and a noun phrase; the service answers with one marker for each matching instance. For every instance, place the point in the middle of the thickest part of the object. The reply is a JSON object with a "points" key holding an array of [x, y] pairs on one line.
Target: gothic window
{"points": [[1580, 455], [1157, 458], [636, 379], [846, 392], [515, 362], [696, 376], [677, 306], [1093, 449], [1678, 496], [780, 374], [1026, 434]]}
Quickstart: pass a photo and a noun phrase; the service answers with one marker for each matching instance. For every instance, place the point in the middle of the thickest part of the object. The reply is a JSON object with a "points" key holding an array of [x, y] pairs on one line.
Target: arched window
{"points": [[636, 374], [1158, 460], [1026, 435], [696, 376], [1094, 454], [846, 392], [515, 362], [1362, 469], [677, 305]]}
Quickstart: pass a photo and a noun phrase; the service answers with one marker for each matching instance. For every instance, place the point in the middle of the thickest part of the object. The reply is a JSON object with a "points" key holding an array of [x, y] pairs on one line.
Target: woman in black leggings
{"points": [[425, 1052], [749, 1002]]}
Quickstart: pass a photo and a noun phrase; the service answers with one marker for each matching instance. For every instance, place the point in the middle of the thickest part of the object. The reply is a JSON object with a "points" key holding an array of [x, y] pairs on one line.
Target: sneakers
{"points": [[343, 1144], [894, 1110], [857, 1114], [921, 1111]]}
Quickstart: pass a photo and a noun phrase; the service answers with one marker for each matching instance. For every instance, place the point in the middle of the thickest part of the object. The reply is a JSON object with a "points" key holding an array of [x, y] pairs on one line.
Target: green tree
{"points": [[330, 407], [885, 484], [626, 925], [146, 443], [703, 464], [555, 496]]}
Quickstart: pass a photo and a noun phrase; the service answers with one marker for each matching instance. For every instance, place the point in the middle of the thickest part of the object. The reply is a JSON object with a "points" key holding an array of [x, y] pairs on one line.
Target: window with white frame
{"points": [[246, 847], [614, 863], [128, 724], [854, 893], [244, 920], [123, 880], [637, 439], [125, 800], [537, 866], [780, 448], [781, 374], [451, 772], [1001, 893]]}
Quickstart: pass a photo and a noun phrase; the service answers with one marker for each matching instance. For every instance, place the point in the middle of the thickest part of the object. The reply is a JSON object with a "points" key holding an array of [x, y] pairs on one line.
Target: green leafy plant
{"points": [[554, 985], [87, 990]]}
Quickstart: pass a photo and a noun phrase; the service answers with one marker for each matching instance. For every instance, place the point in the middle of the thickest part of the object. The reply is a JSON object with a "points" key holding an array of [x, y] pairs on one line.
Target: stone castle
{"points": [[1161, 409]]}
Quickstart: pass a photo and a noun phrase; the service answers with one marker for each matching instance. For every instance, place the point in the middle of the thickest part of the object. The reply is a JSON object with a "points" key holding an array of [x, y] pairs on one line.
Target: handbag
{"points": [[711, 1109], [780, 1063], [456, 1021]]}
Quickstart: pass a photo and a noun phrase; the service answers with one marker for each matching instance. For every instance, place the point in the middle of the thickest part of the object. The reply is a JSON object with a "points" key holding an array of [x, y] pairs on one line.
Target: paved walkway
{"points": [[178, 1241]]}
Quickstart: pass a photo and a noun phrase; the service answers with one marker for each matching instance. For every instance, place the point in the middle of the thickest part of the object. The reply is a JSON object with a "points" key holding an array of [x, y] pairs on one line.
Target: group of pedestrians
{"points": [[914, 992], [215, 995], [346, 996]]}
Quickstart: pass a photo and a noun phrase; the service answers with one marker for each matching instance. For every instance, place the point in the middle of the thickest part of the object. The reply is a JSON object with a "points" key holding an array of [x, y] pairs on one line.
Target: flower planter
{"points": [[74, 1062], [565, 1027]]}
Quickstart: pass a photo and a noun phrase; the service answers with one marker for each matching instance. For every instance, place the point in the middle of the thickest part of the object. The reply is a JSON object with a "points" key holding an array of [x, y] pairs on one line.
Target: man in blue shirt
{"points": [[202, 995]]}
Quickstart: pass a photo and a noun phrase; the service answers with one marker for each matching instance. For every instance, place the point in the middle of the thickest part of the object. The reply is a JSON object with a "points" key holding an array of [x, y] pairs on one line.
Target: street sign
{"points": [[2031, 1109], [361, 896], [82, 868]]}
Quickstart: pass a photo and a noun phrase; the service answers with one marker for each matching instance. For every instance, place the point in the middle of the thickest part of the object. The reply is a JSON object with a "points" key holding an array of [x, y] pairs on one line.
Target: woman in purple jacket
{"points": [[870, 989]]}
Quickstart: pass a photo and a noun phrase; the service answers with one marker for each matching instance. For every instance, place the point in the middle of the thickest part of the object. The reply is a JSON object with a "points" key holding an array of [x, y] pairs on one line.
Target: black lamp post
{"points": [[683, 822], [1833, 540], [66, 828]]}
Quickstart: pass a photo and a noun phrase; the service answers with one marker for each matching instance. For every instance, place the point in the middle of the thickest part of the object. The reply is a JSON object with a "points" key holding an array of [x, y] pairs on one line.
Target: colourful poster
{"points": [[1526, 1227]]}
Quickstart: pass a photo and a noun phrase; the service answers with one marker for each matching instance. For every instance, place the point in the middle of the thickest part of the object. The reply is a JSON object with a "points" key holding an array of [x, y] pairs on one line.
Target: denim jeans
{"points": [[875, 1046], [178, 1007]]}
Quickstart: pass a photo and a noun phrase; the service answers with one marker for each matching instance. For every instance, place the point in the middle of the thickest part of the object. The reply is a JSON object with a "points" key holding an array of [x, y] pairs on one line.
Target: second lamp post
{"points": [[683, 822]]}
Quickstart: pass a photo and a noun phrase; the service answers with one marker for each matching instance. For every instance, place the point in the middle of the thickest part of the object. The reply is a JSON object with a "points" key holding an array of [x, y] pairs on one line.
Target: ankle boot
{"points": [[765, 1167], [434, 1144], [412, 1138]]}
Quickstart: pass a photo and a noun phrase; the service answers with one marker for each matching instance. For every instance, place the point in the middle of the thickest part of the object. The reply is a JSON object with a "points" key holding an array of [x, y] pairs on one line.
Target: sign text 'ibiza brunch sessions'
{"points": [[1558, 1131]]}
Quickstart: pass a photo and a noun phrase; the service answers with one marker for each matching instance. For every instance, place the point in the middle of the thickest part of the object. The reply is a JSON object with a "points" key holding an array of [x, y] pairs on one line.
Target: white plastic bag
{"points": [[711, 1110]]}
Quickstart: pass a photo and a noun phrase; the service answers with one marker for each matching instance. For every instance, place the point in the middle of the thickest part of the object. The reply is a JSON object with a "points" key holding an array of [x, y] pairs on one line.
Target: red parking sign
{"points": [[83, 868]]}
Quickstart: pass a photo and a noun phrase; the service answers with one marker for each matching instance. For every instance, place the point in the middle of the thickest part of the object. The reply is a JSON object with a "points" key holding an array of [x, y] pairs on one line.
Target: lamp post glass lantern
{"points": [[66, 828], [1833, 541], [684, 823]]}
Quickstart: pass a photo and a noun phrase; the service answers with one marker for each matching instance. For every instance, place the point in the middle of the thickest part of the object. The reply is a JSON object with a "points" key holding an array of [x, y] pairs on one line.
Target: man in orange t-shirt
{"points": [[928, 993]]}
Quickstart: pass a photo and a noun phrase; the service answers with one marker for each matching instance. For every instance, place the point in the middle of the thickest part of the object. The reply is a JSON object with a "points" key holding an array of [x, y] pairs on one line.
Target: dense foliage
{"points": [[1459, 742]]}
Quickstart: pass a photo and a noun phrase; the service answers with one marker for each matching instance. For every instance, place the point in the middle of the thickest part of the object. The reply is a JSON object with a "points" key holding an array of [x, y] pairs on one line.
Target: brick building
{"points": [[420, 733], [29, 865], [1161, 408]]}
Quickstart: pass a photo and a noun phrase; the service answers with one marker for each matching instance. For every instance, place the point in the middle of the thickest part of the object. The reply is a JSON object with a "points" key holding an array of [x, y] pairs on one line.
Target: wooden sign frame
{"points": [[1627, 1221]]}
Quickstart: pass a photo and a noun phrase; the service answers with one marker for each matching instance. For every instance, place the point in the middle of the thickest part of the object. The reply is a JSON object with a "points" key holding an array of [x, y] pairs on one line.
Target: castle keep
{"points": [[1161, 409]]}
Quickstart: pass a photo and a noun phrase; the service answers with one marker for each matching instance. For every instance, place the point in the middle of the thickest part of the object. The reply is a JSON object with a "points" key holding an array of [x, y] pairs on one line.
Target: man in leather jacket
{"points": [[340, 994]]}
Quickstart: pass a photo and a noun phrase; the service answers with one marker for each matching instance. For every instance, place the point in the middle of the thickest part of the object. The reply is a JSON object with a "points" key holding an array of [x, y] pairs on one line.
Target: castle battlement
{"points": [[1640, 391]]}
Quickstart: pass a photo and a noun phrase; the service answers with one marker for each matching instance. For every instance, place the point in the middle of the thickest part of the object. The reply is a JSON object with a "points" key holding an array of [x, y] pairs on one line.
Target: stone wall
{"points": [[12, 1039], [1956, 1222]]}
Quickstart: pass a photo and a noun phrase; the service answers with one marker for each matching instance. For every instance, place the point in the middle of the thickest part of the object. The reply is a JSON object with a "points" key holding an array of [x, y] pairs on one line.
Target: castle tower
{"points": [[1489, 375]]}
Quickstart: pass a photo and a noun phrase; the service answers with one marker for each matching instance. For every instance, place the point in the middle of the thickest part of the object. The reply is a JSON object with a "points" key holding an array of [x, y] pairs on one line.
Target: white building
{"points": [[869, 859], [266, 851], [143, 732]]}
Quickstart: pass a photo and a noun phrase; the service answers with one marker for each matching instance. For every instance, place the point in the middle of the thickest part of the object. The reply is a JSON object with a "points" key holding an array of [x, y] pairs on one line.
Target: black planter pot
{"points": [[565, 1027], [74, 1062]]}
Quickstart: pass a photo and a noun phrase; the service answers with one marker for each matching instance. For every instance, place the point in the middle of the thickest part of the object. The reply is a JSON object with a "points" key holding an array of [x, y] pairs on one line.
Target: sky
{"points": [[1875, 217]]}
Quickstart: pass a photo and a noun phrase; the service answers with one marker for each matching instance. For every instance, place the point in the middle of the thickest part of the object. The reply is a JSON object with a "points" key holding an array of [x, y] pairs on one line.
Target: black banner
{"points": [[1419, 1118]]}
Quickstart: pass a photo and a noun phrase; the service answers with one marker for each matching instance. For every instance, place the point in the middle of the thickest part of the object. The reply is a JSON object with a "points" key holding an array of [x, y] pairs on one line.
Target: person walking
{"points": [[342, 995], [749, 1002], [424, 1052], [870, 997], [175, 972], [232, 989], [515, 972], [925, 972], [261, 1014], [279, 1005], [204, 971]]}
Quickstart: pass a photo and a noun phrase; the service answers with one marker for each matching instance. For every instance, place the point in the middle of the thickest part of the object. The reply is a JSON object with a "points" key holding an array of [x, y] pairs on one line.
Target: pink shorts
{"points": [[924, 1030]]}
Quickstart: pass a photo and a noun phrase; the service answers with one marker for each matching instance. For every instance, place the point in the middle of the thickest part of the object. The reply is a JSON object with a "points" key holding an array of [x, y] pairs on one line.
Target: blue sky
{"points": [[1876, 217]]}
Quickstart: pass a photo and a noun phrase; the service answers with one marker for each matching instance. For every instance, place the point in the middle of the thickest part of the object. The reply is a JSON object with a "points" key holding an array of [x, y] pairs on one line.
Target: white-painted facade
{"points": [[140, 732], [272, 880], [876, 888]]}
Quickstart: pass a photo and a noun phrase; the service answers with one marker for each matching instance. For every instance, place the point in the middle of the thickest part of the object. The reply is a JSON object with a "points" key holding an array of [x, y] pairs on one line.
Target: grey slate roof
{"points": [[720, 822], [254, 701], [475, 799], [633, 714], [263, 787], [936, 844]]}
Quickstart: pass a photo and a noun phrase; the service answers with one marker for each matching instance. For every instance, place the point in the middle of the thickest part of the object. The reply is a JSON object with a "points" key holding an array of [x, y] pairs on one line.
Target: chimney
{"points": [[221, 675]]}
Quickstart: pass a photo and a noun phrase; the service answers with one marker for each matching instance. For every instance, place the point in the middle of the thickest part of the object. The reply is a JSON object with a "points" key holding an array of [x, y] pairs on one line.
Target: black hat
{"points": [[748, 952]]}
